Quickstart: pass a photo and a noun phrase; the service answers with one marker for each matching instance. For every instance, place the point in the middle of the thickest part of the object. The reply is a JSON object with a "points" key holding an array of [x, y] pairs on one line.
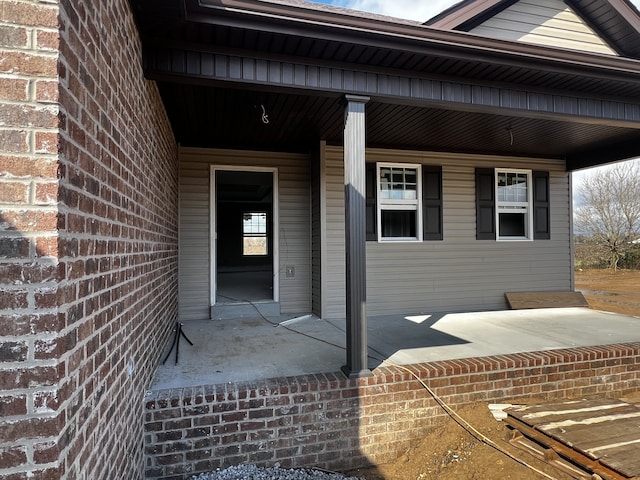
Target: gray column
{"points": [[355, 236]]}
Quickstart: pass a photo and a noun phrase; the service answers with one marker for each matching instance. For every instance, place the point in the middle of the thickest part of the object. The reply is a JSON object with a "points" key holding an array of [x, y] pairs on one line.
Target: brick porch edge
{"points": [[328, 421]]}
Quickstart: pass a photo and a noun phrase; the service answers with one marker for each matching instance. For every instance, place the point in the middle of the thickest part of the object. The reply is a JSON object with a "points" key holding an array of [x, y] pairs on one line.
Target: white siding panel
{"points": [[460, 272], [295, 226], [544, 22]]}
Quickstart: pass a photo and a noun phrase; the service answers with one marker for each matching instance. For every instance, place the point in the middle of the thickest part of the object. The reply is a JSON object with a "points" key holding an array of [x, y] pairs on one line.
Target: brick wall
{"points": [[328, 421], [88, 239], [29, 278]]}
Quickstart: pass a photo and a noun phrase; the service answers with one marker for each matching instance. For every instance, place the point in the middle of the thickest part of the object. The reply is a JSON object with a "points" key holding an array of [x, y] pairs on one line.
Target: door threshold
{"points": [[266, 308]]}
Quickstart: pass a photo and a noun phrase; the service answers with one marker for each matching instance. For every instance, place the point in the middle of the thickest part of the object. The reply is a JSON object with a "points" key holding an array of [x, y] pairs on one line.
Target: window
{"points": [[399, 209], [428, 193], [513, 204], [254, 233], [525, 208]]}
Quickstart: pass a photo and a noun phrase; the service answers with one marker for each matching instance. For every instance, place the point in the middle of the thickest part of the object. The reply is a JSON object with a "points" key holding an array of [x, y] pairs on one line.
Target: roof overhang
{"points": [[616, 20], [217, 61]]}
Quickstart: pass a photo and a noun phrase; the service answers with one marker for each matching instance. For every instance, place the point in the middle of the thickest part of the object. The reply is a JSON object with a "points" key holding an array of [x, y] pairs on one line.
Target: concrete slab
{"points": [[248, 349]]}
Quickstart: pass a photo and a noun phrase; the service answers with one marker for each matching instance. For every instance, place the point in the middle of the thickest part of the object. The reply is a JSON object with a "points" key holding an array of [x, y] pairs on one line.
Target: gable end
{"points": [[544, 22]]}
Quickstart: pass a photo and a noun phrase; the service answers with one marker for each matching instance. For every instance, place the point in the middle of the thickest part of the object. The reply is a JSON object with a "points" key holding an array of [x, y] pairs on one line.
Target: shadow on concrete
{"points": [[257, 347]]}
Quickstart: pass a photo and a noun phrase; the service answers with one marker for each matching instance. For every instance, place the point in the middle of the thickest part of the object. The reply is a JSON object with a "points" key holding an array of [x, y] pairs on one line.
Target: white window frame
{"points": [[526, 208], [397, 204], [264, 235]]}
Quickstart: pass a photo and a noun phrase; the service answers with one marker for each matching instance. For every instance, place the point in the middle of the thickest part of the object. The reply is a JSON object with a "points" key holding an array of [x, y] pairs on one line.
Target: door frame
{"points": [[213, 233]]}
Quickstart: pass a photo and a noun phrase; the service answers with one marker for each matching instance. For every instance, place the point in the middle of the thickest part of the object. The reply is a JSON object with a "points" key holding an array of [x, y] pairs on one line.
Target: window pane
{"points": [[254, 223], [512, 224], [398, 183], [512, 187], [385, 190], [254, 246], [410, 191], [398, 223]]}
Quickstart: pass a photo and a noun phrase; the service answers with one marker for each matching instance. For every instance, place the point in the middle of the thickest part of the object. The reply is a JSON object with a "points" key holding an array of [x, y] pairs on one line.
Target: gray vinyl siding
{"points": [[459, 272], [195, 215], [544, 22], [194, 253]]}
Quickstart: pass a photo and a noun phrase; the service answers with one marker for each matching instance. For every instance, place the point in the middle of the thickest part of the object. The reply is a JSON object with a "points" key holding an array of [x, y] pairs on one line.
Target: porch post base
{"points": [[365, 372]]}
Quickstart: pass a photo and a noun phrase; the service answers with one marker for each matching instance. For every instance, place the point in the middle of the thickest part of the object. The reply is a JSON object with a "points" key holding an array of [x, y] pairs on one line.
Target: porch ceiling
{"points": [[204, 116], [526, 101]]}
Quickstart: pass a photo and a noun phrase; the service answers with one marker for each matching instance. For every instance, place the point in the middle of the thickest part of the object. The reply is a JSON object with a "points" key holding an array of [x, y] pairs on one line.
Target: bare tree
{"points": [[608, 210]]}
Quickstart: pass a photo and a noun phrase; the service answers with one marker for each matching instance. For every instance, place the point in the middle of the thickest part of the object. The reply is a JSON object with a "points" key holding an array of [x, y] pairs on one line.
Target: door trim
{"points": [[275, 218]]}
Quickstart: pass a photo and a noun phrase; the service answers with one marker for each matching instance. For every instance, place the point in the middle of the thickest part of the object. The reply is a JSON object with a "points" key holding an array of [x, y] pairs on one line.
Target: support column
{"points": [[355, 236]]}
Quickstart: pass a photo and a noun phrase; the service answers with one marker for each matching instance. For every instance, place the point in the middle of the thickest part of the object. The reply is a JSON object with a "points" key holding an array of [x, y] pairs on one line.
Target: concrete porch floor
{"points": [[246, 349]]}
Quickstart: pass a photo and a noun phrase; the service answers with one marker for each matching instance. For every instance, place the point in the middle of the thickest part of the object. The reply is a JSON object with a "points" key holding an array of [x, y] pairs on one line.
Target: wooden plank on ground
{"points": [[525, 300], [574, 413], [602, 435], [593, 438], [626, 460]]}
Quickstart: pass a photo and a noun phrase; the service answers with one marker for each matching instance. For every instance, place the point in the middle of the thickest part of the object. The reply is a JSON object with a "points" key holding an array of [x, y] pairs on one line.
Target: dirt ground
{"points": [[450, 453], [611, 291]]}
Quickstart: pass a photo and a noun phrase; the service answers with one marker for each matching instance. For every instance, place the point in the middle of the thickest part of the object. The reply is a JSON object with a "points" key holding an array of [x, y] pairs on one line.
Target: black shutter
{"points": [[431, 203], [485, 204], [370, 198], [541, 210]]}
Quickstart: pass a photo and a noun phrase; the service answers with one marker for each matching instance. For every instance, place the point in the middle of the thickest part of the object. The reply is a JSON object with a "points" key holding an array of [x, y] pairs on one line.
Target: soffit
{"points": [[203, 116], [616, 20], [211, 115]]}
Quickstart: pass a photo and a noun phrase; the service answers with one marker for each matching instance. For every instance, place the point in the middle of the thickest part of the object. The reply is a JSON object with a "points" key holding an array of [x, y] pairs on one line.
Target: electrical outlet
{"points": [[291, 271]]}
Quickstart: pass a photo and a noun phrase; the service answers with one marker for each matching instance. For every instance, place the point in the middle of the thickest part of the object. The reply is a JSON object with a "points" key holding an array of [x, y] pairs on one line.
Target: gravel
{"points": [[251, 472]]}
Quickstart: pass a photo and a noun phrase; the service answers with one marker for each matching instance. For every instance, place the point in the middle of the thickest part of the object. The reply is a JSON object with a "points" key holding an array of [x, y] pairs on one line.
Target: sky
{"points": [[422, 11]]}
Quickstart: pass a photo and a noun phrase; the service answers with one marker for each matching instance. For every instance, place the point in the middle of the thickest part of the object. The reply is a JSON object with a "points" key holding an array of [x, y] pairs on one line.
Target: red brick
{"points": [[13, 299], [45, 452], [29, 428], [12, 351], [46, 349], [27, 64], [13, 247], [46, 91], [46, 298], [13, 89], [28, 324], [37, 474], [12, 456], [28, 378], [14, 192], [47, 40], [13, 141], [46, 246], [27, 273], [30, 220], [29, 14], [46, 142], [46, 193], [13, 37], [11, 405], [28, 116], [21, 167]]}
